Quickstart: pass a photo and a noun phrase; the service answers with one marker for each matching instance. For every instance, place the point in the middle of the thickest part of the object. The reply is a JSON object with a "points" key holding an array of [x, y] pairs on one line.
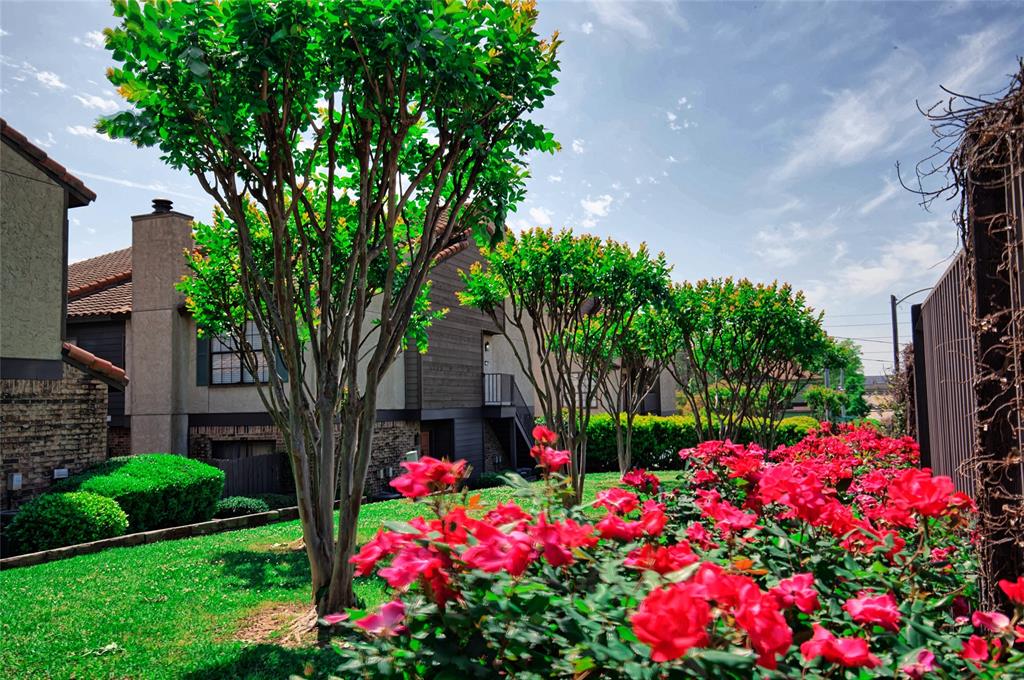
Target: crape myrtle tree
{"points": [[641, 355], [347, 146], [747, 349], [566, 301]]}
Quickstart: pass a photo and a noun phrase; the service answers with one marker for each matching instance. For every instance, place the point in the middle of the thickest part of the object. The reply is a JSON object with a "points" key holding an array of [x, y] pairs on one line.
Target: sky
{"points": [[747, 139]]}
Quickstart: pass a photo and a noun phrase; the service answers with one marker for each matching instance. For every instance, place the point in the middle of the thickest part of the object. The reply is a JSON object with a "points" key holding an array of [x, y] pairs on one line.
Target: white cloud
{"points": [[587, 27], [158, 187], [787, 245], [85, 131], [3, 33], [888, 192], [672, 159], [898, 262], [577, 146], [681, 102], [92, 101], [594, 208], [555, 178], [881, 114], [621, 17], [92, 39], [50, 80], [45, 143], [540, 216]]}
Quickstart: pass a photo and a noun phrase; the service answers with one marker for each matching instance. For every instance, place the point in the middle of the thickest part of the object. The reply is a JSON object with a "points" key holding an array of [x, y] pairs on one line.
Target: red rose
{"points": [[386, 622], [975, 649], [428, 475], [1014, 589], [671, 621], [543, 436], [797, 591], [878, 610], [993, 621], [617, 500], [661, 559], [848, 652]]}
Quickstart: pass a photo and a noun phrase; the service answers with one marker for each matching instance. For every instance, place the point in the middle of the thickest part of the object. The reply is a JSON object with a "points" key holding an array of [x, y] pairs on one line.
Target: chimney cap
{"points": [[162, 205]]}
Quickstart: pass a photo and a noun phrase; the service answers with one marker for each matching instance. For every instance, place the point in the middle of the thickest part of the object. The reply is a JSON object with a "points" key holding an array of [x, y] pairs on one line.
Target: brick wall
{"points": [[119, 441], [201, 438], [494, 452], [48, 424], [392, 439]]}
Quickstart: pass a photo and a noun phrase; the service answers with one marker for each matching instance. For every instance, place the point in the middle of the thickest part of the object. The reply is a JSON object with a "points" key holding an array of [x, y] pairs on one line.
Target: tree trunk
{"points": [[620, 445], [629, 442]]}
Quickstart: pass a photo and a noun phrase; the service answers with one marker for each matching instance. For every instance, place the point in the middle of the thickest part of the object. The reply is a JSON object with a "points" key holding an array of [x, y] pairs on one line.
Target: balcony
{"points": [[498, 389]]}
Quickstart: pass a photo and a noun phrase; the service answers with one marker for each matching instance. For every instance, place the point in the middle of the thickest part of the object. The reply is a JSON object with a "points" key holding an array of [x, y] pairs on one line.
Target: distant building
{"points": [[465, 398], [53, 394]]}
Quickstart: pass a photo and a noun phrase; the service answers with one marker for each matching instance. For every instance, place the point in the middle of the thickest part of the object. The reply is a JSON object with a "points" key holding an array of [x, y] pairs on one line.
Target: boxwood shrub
{"points": [[236, 506], [657, 439], [54, 520], [156, 490]]}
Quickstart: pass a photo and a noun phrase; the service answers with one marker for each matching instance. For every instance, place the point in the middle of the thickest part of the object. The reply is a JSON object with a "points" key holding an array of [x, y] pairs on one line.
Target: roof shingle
{"points": [[80, 194]]}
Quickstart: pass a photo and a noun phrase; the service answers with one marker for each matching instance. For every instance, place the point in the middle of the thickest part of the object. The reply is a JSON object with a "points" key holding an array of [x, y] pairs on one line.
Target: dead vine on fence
{"points": [[978, 156]]}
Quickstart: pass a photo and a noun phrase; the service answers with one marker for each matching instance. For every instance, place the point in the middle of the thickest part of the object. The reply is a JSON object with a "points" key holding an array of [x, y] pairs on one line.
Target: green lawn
{"points": [[173, 609]]}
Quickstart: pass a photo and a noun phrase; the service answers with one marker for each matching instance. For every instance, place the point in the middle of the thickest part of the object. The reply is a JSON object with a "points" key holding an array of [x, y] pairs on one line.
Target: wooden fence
{"points": [[250, 475]]}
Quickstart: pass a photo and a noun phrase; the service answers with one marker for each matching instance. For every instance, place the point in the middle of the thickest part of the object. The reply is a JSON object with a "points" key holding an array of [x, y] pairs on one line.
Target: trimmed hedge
{"points": [[55, 520], [155, 490], [657, 439], [237, 506]]}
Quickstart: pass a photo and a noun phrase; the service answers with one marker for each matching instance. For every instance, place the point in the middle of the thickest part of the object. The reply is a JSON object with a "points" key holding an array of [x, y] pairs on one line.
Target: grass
{"points": [[172, 609]]}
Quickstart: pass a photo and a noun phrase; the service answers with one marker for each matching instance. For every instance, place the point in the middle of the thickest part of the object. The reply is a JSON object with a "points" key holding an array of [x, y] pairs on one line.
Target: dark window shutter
{"points": [[202, 360], [282, 370]]}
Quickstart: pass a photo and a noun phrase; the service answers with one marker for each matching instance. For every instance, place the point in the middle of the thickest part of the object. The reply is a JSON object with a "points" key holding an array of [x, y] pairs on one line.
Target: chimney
{"points": [[160, 335]]}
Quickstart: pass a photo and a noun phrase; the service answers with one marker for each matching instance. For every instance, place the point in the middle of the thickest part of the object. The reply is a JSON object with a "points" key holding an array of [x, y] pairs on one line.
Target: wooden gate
{"points": [[250, 475]]}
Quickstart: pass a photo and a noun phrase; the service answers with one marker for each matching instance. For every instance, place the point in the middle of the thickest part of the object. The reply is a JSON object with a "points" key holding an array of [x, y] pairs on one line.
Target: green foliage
{"points": [[276, 501], [658, 439], [825, 402], [236, 506], [747, 349], [844, 357], [54, 520], [571, 299], [154, 489]]}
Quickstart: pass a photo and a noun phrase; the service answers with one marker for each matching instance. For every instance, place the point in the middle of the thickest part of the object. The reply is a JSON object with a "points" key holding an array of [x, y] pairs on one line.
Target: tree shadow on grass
{"points": [[271, 662], [262, 569]]}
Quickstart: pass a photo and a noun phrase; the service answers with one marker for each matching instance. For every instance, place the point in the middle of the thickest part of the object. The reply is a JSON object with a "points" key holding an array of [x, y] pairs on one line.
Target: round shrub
{"points": [[276, 501], [156, 490], [236, 506], [55, 520]]}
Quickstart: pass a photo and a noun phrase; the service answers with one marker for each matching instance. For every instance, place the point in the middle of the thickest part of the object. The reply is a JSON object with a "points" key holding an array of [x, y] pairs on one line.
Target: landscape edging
{"points": [[213, 526]]}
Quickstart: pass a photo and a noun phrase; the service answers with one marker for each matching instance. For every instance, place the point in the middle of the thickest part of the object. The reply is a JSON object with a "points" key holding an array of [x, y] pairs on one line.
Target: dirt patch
{"points": [[289, 624]]}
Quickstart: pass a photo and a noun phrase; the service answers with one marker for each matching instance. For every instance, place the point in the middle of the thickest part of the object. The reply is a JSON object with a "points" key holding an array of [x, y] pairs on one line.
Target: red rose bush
{"points": [[832, 558]]}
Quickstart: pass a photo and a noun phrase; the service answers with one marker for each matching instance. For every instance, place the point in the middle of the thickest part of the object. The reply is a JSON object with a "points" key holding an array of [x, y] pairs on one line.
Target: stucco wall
{"points": [[32, 246]]}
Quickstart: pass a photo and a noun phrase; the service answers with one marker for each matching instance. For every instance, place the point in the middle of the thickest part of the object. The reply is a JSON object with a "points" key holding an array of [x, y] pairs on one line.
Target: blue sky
{"points": [[746, 139]]}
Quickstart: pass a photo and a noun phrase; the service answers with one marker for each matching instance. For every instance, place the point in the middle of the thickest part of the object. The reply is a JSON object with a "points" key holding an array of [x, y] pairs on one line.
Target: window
{"points": [[226, 361]]}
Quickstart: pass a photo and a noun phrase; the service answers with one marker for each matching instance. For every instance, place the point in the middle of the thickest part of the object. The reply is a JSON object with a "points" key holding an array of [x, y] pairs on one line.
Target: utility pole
{"points": [[895, 336]]}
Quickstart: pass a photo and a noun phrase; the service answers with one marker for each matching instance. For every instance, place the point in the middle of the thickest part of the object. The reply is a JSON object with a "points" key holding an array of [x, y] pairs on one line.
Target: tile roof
{"points": [[80, 194], [93, 365], [85, 272], [111, 301], [101, 285]]}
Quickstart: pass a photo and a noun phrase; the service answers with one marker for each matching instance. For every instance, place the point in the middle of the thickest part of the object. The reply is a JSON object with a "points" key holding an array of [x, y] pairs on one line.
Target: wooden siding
{"points": [[105, 339], [451, 372]]}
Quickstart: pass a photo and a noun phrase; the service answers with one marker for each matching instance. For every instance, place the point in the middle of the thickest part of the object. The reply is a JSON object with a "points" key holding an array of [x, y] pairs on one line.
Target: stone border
{"points": [[213, 526]]}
